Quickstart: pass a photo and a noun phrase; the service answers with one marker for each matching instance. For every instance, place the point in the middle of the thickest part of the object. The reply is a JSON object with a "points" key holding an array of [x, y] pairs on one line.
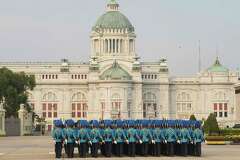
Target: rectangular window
{"points": [[32, 106], [49, 106], [225, 106], [49, 114], [55, 107], [215, 106], [78, 114], [73, 114], [220, 114], [44, 114], [225, 114], [84, 114], [144, 115], [144, 107], [220, 106], [79, 106], [215, 113], [155, 76], [55, 114]]}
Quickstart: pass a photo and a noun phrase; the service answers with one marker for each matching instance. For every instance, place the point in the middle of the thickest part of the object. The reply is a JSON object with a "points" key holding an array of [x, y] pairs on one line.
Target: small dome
{"points": [[116, 72], [113, 19], [217, 67]]}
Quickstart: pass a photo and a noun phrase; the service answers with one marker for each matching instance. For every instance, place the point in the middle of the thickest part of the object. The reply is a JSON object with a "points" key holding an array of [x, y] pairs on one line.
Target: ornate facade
{"points": [[115, 84]]}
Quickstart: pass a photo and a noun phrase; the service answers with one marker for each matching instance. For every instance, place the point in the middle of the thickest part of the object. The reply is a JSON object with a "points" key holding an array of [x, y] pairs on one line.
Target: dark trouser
{"points": [[108, 149], [82, 149], [125, 148], [144, 148], [177, 149], [164, 148], [190, 149], [131, 149], [102, 148], [198, 149], [157, 149], [65, 149], [150, 149], [170, 148], [58, 149], [119, 149], [184, 149], [70, 150], [94, 150]]}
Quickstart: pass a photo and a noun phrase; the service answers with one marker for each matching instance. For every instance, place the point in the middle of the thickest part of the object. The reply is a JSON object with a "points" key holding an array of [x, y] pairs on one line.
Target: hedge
{"points": [[226, 132]]}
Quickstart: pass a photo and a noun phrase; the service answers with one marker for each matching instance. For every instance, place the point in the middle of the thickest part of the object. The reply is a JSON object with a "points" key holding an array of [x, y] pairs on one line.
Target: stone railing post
{"points": [[21, 113], [2, 120]]}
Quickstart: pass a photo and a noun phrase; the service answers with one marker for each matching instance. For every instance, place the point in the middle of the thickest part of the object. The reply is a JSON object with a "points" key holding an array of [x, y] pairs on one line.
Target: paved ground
{"points": [[36, 148]]}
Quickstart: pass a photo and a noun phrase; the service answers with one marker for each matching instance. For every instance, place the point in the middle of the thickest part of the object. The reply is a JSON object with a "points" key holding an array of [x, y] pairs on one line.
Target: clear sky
{"points": [[49, 30]]}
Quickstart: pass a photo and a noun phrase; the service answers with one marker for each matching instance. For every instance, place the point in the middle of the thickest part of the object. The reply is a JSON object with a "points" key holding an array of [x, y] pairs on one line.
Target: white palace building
{"points": [[114, 84]]}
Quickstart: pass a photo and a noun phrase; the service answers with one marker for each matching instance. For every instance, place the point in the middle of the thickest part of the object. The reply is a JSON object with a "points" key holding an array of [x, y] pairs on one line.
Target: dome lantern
{"points": [[112, 5]]}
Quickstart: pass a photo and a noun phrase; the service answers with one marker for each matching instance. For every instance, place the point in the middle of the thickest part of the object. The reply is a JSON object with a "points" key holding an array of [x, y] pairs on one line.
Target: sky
{"points": [[49, 30]]}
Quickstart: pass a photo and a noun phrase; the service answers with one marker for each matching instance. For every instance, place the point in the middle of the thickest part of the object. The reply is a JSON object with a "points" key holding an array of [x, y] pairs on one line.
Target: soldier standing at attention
{"points": [[184, 140], [58, 137], [120, 137], [70, 137], [190, 127], [146, 138], [83, 138], [95, 137], [158, 137], [132, 138], [171, 138], [108, 138], [198, 139]]}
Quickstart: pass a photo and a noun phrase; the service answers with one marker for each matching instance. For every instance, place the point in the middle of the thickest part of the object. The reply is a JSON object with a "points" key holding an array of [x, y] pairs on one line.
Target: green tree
{"points": [[14, 89], [192, 118], [211, 125]]}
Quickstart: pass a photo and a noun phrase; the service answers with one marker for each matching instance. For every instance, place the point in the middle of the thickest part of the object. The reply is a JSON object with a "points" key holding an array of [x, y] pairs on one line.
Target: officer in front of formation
{"points": [[58, 136]]}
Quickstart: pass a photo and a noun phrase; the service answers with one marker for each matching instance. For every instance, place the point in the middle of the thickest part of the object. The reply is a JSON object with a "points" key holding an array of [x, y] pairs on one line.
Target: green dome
{"points": [[116, 72], [113, 20], [217, 67]]}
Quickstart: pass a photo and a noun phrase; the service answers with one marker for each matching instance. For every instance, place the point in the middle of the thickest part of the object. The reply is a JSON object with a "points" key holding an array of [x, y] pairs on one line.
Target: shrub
{"points": [[229, 131], [215, 138], [211, 125]]}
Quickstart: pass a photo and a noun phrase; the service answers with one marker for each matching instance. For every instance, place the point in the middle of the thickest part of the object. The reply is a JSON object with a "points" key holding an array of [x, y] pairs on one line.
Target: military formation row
{"points": [[128, 137]]}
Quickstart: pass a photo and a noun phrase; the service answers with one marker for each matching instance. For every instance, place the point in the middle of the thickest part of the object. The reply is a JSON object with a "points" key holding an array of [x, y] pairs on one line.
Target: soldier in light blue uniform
{"points": [[95, 137], [70, 137], [132, 139], [171, 138], [158, 137], [190, 127], [58, 137], [82, 138], [108, 138], [120, 138], [145, 138], [198, 139], [184, 140]]}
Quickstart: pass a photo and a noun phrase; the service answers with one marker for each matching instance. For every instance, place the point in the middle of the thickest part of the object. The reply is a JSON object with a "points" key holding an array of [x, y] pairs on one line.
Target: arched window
{"points": [[79, 105], [184, 105], [220, 105], [150, 109], [116, 102], [49, 105]]}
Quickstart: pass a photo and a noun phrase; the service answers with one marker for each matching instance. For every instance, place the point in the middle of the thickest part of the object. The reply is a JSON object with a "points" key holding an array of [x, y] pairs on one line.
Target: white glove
{"points": [[192, 142], [54, 141], [90, 142], [140, 141], [165, 141], [127, 141], [66, 141], [178, 141], [153, 142], [77, 142], [115, 142]]}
